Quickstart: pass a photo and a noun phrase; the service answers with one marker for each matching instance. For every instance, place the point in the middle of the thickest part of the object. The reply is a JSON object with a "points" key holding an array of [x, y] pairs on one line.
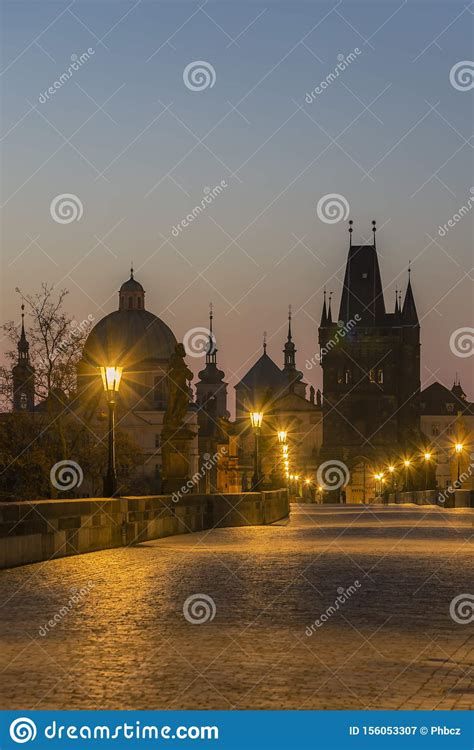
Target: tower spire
{"points": [[409, 313], [374, 229], [350, 232], [211, 353], [329, 309], [289, 350], [23, 345], [324, 313], [289, 322], [264, 342]]}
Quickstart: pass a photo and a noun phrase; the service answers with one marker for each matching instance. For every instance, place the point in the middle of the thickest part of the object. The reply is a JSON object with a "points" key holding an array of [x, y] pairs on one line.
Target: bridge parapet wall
{"points": [[33, 531], [441, 498]]}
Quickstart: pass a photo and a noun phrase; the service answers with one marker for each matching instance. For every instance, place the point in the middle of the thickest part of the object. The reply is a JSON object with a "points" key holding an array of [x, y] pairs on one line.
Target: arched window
{"points": [[348, 376], [139, 303], [372, 376], [130, 303], [380, 375], [23, 401]]}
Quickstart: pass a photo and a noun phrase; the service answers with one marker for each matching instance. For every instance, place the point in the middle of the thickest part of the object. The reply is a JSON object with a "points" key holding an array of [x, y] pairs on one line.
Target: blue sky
{"points": [[138, 148]]}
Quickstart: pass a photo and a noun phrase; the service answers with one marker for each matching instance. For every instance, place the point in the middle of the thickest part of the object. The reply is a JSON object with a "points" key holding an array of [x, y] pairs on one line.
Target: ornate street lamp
{"points": [[282, 435], [111, 377], [427, 458], [459, 448], [256, 418]]}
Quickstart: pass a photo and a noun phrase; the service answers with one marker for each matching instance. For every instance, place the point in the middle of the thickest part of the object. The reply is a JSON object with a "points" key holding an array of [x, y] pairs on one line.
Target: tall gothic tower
{"points": [[23, 374], [371, 368]]}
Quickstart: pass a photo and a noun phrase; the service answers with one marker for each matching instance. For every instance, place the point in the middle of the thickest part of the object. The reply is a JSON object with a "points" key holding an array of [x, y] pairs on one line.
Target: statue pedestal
{"points": [[175, 458]]}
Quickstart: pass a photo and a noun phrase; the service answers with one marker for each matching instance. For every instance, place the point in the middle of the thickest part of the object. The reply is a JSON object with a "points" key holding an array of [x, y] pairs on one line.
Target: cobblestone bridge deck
{"points": [[127, 644]]}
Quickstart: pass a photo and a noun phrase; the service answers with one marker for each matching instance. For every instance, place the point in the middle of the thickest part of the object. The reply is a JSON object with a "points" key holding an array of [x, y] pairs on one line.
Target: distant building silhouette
{"points": [[371, 373]]}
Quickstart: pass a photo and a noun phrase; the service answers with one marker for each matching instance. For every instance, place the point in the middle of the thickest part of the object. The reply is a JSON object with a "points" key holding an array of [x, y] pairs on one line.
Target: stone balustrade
{"points": [[32, 531]]}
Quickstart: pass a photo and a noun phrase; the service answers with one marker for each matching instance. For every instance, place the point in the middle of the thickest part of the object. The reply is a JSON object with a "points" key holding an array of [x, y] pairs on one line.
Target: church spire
{"points": [[23, 345], [409, 313], [329, 320], [264, 342], [211, 351], [324, 314], [289, 350]]}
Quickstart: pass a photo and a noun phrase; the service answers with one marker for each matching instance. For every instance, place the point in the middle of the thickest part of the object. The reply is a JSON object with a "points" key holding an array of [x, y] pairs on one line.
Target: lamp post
{"points": [[391, 470], [406, 464], [458, 449], [111, 377], [427, 457], [256, 418]]}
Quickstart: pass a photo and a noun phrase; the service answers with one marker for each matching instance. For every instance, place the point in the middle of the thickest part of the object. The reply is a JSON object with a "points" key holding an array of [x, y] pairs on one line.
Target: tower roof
{"points": [[362, 291], [263, 374], [409, 313]]}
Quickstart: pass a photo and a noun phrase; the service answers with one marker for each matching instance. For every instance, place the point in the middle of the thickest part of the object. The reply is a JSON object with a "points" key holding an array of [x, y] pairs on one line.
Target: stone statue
{"points": [[178, 377]]}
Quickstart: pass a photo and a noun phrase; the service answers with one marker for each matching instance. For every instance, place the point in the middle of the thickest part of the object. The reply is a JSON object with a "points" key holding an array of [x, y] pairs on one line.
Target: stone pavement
{"points": [[125, 643]]}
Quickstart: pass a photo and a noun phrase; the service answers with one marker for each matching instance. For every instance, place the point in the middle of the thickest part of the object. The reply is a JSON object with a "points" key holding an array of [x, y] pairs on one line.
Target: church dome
{"points": [[131, 334]]}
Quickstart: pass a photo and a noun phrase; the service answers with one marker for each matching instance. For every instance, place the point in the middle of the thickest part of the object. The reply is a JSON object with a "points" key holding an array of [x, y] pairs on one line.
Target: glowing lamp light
{"points": [[282, 436], [407, 463], [307, 481], [256, 418], [458, 447], [320, 488], [427, 456], [111, 377], [391, 469], [285, 450]]}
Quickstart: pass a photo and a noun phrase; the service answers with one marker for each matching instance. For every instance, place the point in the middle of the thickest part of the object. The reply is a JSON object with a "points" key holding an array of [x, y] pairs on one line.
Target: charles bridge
{"points": [[334, 607]]}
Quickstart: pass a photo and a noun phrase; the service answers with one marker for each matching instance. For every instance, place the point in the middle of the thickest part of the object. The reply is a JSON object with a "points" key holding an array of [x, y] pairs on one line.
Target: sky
{"points": [[138, 141]]}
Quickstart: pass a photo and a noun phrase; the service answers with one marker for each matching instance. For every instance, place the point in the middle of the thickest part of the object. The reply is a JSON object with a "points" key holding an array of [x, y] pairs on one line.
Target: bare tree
{"points": [[56, 342]]}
